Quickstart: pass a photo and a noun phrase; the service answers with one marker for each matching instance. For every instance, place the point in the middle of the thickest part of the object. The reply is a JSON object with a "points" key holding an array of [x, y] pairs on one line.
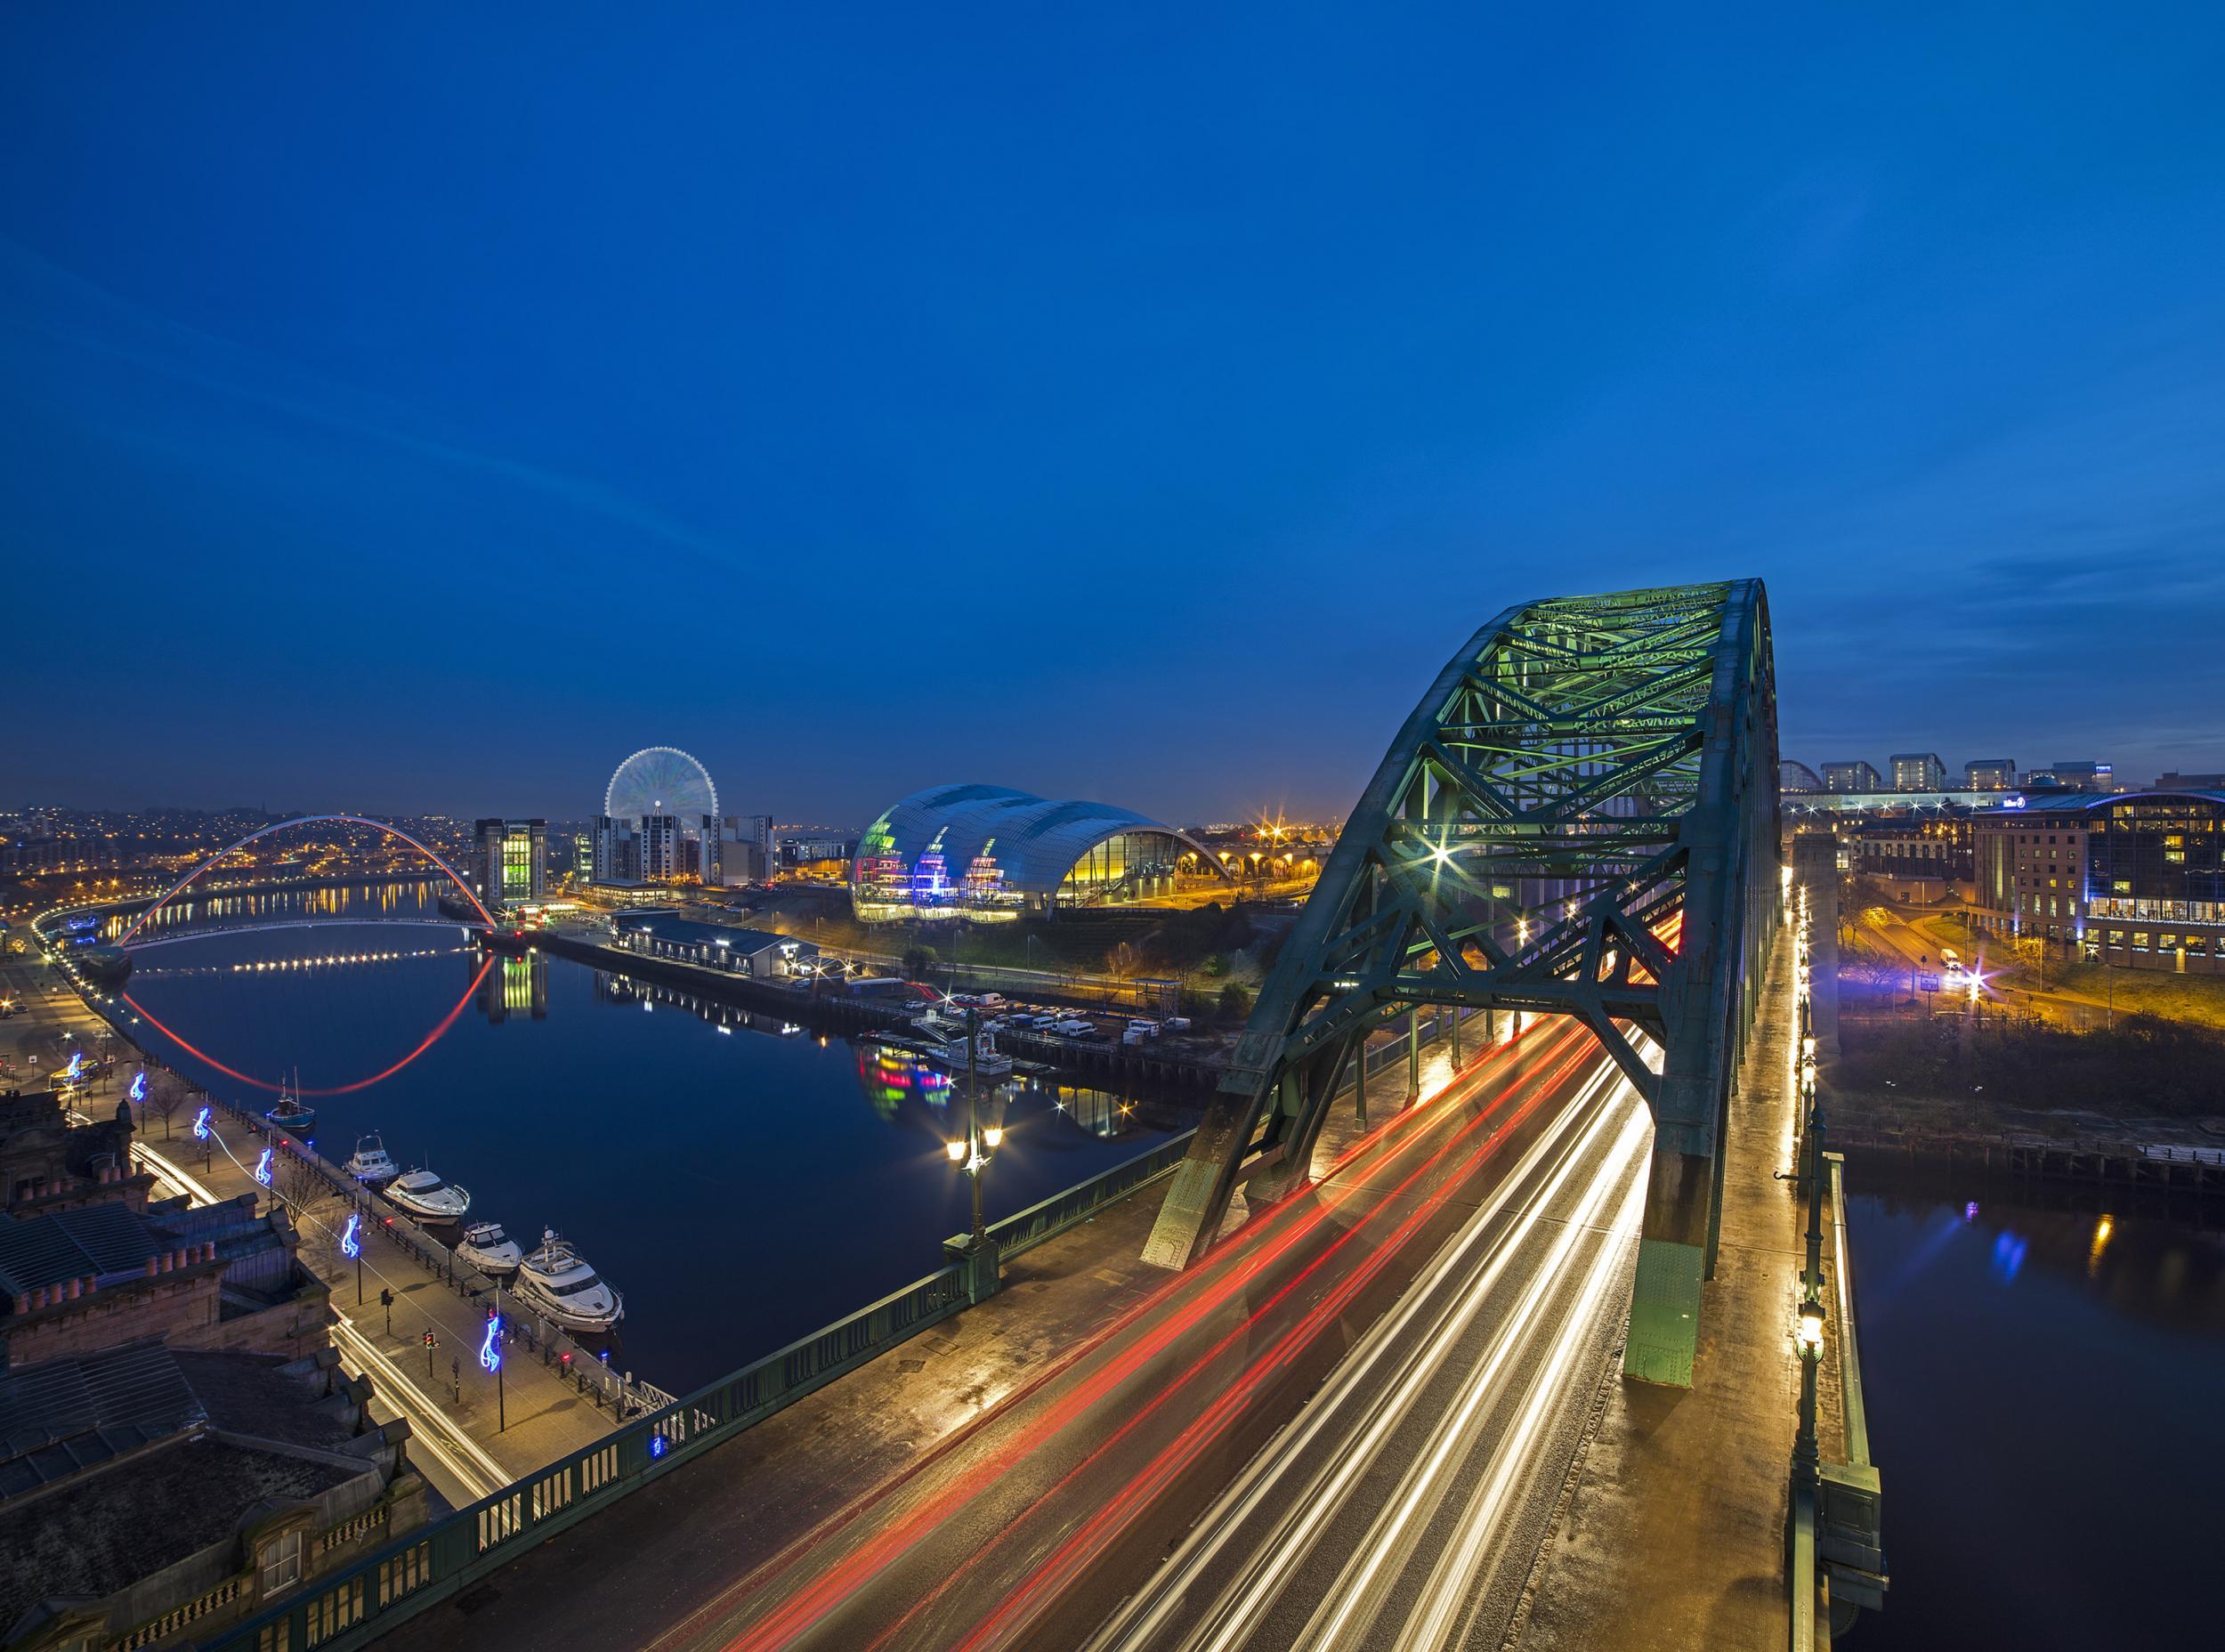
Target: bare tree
{"points": [[166, 1094]]}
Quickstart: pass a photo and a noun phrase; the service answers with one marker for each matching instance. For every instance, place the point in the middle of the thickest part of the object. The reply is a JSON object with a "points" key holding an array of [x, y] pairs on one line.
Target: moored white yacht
{"points": [[371, 1162], [944, 1040], [486, 1247], [423, 1193], [556, 1283]]}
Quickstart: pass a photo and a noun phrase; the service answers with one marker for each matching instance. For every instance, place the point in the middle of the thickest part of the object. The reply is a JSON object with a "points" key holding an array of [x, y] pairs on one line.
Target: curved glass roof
{"points": [[1032, 840]]}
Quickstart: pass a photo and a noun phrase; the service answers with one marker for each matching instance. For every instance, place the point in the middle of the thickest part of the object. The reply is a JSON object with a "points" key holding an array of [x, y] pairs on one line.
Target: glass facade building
{"points": [[2135, 879], [512, 860], [989, 853]]}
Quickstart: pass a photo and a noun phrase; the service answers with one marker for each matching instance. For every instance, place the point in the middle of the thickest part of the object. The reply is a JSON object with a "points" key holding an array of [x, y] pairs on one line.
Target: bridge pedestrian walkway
{"points": [[1671, 1529], [468, 1440]]}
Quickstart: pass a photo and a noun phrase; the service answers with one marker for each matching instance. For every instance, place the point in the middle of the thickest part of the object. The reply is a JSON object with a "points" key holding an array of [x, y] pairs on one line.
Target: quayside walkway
{"points": [[470, 1435]]}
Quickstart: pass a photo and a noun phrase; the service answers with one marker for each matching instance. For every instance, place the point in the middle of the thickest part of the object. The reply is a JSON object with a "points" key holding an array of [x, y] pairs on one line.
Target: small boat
{"points": [[486, 1247], [945, 1041], [558, 1285], [371, 1162], [291, 1116], [423, 1194]]}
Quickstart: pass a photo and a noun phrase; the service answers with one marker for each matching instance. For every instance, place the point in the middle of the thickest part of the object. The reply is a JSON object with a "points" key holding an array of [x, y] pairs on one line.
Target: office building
{"points": [[1852, 776], [1918, 771], [510, 861], [2135, 880], [745, 849], [2066, 776], [1990, 774], [616, 857]]}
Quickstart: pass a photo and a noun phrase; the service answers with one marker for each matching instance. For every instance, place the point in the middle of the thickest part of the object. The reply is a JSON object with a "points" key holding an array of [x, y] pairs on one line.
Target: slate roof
{"points": [[104, 1240]]}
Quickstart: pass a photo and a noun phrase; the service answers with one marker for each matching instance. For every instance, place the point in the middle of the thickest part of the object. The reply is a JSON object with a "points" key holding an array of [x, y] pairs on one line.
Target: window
{"points": [[2140, 940], [333, 1611], [281, 1563]]}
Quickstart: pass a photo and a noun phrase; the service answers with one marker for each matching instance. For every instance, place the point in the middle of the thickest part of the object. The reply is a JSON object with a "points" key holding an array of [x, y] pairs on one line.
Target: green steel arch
{"points": [[1583, 772]]}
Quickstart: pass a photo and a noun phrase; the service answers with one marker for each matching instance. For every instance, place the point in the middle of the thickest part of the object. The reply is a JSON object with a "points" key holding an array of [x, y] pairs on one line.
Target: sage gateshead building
{"points": [[988, 854]]}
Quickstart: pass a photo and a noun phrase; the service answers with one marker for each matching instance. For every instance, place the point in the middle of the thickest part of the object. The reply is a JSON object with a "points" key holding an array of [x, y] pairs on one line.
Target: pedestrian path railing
{"points": [[434, 1562], [1025, 1230]]}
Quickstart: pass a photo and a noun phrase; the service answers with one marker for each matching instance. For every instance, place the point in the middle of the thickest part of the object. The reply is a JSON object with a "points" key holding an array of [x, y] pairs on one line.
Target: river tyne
{"points": [[740, 1182]]}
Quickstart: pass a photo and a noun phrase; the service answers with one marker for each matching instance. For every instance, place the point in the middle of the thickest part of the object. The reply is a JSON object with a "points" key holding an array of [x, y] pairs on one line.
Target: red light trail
{"points": [[802, 1611]]}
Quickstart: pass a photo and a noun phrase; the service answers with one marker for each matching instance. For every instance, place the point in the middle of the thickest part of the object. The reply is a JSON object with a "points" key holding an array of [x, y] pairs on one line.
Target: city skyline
{"points": [[763, 397]]}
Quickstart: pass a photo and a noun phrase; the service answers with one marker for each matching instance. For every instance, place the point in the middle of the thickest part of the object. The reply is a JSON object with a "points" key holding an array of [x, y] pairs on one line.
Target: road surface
{"points": [[1445, 1296]]}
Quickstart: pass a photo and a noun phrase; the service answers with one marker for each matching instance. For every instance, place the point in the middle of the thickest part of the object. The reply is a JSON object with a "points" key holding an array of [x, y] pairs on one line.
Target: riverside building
{"points": [[2131, 879]]}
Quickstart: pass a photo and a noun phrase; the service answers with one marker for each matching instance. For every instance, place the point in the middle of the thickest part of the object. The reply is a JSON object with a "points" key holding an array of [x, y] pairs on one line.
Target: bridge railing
{"points": [[434, 1562], [1023, 1230]]}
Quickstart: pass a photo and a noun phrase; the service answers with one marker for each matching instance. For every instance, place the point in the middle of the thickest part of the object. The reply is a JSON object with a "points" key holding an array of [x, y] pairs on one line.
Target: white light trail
{"points": [[1389, 1364]]}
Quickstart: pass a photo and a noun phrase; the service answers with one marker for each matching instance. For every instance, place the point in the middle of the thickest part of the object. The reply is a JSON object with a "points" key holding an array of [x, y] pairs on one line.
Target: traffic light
{"points": [[429, 1342], [386, 1298]]}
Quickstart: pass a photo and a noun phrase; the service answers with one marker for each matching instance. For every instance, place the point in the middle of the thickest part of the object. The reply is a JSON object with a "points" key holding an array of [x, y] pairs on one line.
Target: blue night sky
{"points": [[419, 407]]}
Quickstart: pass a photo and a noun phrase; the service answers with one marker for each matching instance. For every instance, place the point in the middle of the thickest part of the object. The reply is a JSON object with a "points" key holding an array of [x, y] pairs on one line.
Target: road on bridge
{"points": [[1371, 1391]]}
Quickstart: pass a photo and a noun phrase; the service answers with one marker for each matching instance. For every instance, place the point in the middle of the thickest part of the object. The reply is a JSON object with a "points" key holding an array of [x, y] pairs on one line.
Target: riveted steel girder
{"points": [[1579, 818]]}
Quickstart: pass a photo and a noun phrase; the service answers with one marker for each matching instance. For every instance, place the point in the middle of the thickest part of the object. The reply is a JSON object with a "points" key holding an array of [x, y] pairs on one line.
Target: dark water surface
{"points": [[2046, 1390], [740, 1186]]}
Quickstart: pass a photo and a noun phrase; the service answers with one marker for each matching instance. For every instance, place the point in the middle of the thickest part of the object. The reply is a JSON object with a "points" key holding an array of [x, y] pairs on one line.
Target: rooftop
{"points": [[112, 1469]]}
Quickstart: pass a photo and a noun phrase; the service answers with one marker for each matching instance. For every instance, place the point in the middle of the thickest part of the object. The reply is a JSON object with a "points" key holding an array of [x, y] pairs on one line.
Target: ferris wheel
{"points": [[660, 780]]}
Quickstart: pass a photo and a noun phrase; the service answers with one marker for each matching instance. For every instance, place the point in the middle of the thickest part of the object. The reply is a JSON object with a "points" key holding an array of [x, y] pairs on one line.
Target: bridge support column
{"points": [[1675, 1239], [1413, 1054], [1672, 1264]]}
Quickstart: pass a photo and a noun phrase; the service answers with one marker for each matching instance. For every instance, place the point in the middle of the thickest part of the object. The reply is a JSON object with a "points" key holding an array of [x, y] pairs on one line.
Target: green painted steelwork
{"points": [[1586, 776]]}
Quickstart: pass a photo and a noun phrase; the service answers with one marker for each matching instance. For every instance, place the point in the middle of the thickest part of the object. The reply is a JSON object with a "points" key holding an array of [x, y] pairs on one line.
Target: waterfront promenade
{"points": [[459, 1440], [468, 1438]]}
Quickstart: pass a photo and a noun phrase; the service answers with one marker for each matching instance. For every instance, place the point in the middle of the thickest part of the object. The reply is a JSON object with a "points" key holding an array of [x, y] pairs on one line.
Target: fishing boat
{"points": [[291, 1115], [558, 1284], [371, 1162], [423, 1194], [486, 1247]]}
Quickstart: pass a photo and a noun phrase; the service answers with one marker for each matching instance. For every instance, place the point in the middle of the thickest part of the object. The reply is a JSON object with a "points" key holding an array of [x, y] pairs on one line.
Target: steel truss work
{"points": [[1579, 818]]}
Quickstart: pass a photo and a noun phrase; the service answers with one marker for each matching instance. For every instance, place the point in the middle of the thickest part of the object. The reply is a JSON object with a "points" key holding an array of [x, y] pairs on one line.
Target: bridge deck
{"points": [[1672, 1531]]}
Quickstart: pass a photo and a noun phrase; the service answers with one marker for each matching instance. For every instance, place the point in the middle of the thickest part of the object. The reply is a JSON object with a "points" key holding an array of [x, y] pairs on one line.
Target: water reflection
{"points": [[2134, 1255], [195, 912], [2024, 1351], [515, 985]]}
